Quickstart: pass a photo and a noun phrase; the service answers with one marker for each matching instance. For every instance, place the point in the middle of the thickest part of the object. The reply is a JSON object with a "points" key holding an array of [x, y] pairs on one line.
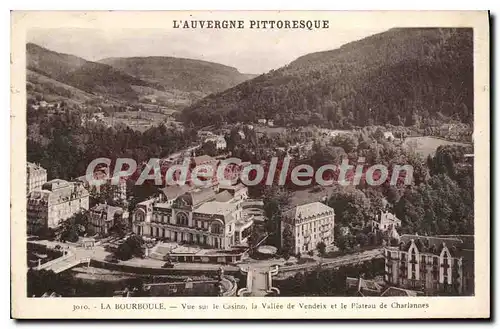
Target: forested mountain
{"points": [[172, 82], [180, 73], [90, 77], [401, 76]]}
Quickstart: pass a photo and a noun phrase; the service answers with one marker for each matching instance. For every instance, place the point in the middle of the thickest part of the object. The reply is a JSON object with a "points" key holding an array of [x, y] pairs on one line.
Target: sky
{"points": [[250, 51]]}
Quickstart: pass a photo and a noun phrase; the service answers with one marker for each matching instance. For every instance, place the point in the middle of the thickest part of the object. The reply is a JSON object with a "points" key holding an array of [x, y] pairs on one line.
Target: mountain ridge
{"points": [[174, 82], [383, 78], [179, 73]]}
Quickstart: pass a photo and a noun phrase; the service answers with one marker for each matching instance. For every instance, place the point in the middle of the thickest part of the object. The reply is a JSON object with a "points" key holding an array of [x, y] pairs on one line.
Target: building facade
{"points": [[103, 217], [310, 224], [219, 141], [200, 217], [434, 265], [386, 222], [55, 202], [116, 192], [36, 176]]}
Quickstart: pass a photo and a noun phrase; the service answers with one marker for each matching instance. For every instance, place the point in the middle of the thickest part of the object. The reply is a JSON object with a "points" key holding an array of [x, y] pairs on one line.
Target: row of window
{"points": [[182, 220], [424, 259], [312, 246], [312, 227]]}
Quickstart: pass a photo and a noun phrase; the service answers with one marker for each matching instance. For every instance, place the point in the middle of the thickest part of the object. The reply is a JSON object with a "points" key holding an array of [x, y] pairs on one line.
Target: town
{"points": [[137, 234], [223, 229]]}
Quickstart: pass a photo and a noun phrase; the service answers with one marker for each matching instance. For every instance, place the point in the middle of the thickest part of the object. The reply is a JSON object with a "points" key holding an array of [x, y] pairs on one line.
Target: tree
{"points": [[119, 227], [362, 239], [352, 207], [75, 226], [348, 142], [275, 200], [253, 239], [209, 147], [287, 247], [321, 246], [132, 247], [345, 242]]}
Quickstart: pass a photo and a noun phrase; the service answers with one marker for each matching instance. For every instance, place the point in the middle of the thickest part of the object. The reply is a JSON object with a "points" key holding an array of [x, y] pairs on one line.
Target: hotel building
{"points": [[310, 224], [56, 201], [102, 217], [435, 265], [36, 176]]}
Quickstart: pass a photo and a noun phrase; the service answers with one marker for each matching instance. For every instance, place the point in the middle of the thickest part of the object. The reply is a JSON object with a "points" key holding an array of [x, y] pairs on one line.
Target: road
{"points": [[262, 266]]}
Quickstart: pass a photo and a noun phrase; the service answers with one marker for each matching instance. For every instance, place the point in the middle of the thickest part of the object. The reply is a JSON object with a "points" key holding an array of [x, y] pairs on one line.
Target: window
{"points": [[445, 267], [216, 228], [182, 219]]}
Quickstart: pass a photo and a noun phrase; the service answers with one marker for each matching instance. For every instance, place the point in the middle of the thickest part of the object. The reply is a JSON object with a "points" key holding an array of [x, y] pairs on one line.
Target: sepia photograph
{"points": [[251, 154]]}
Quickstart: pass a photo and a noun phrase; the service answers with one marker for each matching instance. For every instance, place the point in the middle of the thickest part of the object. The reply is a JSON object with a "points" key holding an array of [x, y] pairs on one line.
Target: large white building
{"points": [[36, 176], [57, 200], [211, 217], [310, 224]]}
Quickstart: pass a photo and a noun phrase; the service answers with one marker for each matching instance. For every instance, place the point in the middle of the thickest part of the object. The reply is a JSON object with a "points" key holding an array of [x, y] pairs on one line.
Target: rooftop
{"points": [[308, 210], [387, 216], [174, 191], [395, 291], [223, 196], [233, 188], [202, 159], [457, 245], [216, 208], [196, 197], [33, 167], [55, 184], [110, 211], [364, 287]]}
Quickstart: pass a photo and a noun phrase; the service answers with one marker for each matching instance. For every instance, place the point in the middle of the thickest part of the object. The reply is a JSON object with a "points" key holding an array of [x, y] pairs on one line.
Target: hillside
{"points": [[90, 77], [41, 86], [182, 74], [401, 76], [172, 83]]}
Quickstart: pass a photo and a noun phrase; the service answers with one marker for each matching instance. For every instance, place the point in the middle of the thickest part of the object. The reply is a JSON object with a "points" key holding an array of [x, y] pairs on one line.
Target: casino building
{"points": [[210, 216]]}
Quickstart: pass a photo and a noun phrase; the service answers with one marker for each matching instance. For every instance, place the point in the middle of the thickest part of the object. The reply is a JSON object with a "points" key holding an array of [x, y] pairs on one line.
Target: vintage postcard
{"points": [[250, 164]]}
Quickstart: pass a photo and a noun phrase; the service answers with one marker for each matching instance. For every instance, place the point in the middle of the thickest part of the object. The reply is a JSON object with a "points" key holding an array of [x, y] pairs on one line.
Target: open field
{"points": [[311, 194], [427, 145], [140, 121]]}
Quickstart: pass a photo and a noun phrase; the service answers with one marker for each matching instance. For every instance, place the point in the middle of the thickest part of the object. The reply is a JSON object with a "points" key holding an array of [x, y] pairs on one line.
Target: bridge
{"points": [[63, 263], [71, 257]]}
